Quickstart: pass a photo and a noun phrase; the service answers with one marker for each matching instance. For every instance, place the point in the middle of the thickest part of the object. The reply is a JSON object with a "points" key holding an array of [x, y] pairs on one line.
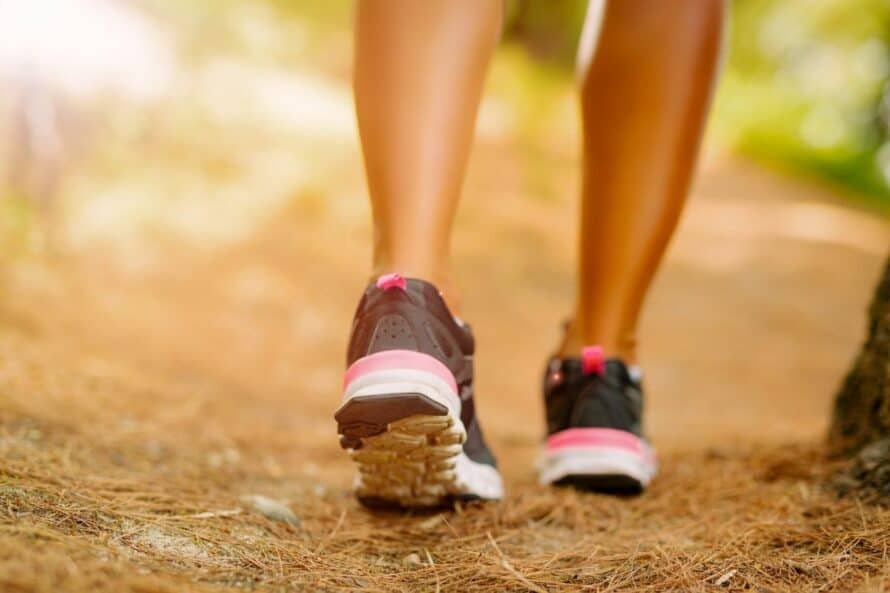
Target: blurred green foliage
{"points": [[17, 224], [804, 87]]}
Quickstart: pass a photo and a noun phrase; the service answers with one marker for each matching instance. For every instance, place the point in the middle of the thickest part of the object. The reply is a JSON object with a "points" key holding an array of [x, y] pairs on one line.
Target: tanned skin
{"points": [[645, 93]]}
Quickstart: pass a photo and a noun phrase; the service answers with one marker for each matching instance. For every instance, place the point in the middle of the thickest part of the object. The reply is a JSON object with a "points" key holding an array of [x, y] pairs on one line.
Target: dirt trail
{"points": [[139, 405]]}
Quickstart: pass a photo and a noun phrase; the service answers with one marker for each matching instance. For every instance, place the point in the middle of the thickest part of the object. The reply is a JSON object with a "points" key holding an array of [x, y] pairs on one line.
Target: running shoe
{"points": [[594, 425], [408, 419]]}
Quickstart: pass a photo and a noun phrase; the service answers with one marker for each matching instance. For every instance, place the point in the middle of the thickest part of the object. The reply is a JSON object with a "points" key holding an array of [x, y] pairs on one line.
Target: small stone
{"points": [[412, 559], [723, 580], [272, 509], [431, 523], [231, 456]]}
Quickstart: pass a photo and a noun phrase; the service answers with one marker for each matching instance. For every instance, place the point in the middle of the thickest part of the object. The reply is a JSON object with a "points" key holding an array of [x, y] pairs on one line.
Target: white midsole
{"points": [[479, 479], [470, 477], [593, 461]]}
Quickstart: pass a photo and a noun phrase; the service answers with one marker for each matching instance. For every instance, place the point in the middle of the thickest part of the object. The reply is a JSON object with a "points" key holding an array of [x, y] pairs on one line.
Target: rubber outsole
{"points": [[367, 416], [406, 447], [617, 484]]}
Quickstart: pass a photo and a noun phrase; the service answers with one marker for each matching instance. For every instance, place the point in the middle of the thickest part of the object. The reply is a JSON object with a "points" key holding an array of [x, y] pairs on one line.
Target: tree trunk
{"points": [[860, 426]]}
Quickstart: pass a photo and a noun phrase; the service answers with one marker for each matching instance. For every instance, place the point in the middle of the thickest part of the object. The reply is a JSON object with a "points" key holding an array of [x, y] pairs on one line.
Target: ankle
{"points": [[575, 339], [440, 277]]}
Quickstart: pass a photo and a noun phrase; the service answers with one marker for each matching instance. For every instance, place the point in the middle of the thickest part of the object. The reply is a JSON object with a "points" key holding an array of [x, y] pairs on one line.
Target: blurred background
{"points": [[197, 119], [184, 234], [182, 180]]}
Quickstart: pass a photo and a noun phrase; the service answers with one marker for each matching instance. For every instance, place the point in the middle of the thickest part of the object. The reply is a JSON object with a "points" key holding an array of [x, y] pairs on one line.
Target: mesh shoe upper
{"points": [[609, 398], [416, 318]]}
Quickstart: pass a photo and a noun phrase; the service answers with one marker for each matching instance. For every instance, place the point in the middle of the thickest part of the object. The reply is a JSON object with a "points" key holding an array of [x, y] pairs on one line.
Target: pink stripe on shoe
{"points": [[596, 437], [398, 359]]}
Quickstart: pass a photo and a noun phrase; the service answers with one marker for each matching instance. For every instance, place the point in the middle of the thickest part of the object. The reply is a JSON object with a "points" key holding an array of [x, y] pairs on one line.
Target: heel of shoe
{"points": [[394, 374], [400, 422], [598, 459]]}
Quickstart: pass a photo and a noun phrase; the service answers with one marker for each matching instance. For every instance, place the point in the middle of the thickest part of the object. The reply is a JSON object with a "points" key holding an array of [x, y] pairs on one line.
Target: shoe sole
{"points": [[599, 460], [401, 426]]}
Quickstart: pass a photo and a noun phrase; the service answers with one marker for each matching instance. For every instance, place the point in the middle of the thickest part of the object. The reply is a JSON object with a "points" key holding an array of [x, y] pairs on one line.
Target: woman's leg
{"points": [[419, 71], [645, 93]]}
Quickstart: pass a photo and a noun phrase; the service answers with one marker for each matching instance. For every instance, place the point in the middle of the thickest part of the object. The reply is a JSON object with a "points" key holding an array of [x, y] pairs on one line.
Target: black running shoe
{"points": [[594, 431], [408, 418]]}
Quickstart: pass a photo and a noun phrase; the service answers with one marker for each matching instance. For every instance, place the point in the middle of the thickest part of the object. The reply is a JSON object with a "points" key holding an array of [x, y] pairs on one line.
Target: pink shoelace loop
{"points": [[387, 281], [593, 360]]}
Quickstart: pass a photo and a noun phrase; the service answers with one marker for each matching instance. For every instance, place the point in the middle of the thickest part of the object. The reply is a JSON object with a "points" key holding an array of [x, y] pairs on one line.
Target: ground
{"points": [[168, 375]]}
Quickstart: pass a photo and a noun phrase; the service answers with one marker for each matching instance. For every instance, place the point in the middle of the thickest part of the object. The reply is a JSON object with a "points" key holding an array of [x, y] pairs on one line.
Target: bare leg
{"points": [[419, 71], [644, 100]]}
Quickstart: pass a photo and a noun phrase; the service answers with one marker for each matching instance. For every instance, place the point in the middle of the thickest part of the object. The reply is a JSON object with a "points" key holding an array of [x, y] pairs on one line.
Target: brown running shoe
{"points": [[408, 418]]}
